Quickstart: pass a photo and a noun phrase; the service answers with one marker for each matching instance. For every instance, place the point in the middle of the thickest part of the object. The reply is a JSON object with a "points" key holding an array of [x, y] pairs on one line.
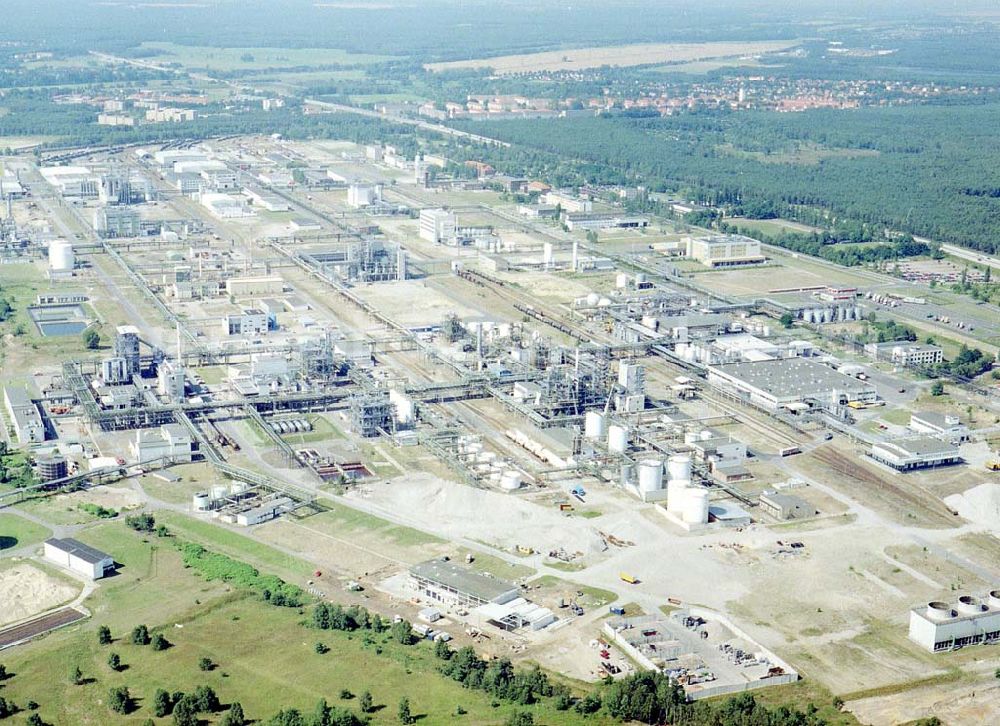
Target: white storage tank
{"points": [[61, 257], [650, 475], [595, 425], [510, 480], [592, 299], [201, 502], [938, 610], [696, 506], [627, 473], [621, 280], [640, 278], [968, 605], [994, 599], [677, 495], [238, 487], [220, 491], [679, 467], [617, 439]]}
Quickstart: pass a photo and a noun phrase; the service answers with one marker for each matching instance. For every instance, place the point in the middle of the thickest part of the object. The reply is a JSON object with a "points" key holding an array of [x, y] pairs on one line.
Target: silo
{"points": [[617, 439], [201, 502], [696, 506], [61, 258], [621, 280], [827, 315], [677, 495], [510, 480], [650, 475], [841, 313], [679, 467], [595, 425]]}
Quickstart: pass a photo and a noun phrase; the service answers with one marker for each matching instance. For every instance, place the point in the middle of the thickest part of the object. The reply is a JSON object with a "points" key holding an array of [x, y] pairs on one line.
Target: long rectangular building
{"points": [[453, 584], [787, 382], [23, 415]]}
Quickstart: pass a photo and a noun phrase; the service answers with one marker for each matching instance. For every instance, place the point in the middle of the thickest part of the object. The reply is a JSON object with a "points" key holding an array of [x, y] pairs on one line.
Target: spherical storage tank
{"points": [[650, 475], [679, 467], [677, 495], [696, 506], [595, 425], [61, 258], [617, 439]]}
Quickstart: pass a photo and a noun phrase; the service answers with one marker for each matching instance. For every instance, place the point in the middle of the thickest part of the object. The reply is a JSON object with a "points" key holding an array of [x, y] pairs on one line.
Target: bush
{"points": [[142, 522], [104, 635], [115, 662], [159, 642], [120, 700], [162, 705], [215, 566], [140, 635], [321, 648], [520, 718], [205, 664]]}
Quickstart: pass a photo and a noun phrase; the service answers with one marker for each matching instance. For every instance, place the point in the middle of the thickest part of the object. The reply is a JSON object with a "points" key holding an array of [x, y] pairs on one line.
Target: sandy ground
{"points": [[622, 55], [964, 705], [104, 496], [26, 590]]}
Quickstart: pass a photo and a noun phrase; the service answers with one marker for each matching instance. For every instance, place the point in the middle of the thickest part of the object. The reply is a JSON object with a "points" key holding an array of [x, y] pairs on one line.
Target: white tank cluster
{"points": [[526, 442], [61, 257], [684, 500], [838, 313], [212, 499], [291, 426]]}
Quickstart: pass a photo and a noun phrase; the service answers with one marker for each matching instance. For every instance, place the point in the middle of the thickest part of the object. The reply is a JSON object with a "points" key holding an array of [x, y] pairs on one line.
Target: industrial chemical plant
{"points": [[576, 406]]}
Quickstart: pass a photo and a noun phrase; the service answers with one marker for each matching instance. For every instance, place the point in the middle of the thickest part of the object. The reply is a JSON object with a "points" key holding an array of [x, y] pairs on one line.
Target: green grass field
{"points": [[17, 531], [227, 59], [265, 656], [344, 521], [236, 545]]}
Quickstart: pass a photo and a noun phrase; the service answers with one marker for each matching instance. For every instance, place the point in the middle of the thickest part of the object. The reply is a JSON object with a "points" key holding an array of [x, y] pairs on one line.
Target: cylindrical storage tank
{"points": [[938, 610], [510, 480], [238, 487], [827, 315], [603, 302], [201, 501], [52, 467], [650, 475], [679, 467], [627, 473], [968, 605], [696, 506], [677, 495], [705, 435], [593, 298], [595, 425], [61, 257], [640, 278], [621, 280], [994, 599], [617, 439], [219, 491]]}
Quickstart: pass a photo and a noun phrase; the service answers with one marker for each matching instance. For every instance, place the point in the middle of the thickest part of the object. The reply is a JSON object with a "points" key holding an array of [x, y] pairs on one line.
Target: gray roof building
{"points": [[448, 582]]}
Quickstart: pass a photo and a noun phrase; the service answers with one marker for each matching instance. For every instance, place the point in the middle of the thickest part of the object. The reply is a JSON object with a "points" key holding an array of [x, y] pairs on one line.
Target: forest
{"points": [[932, 171]]}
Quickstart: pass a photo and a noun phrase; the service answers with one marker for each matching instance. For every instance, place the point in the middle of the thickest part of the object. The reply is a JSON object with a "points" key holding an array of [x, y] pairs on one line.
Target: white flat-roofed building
{"points": [[590, 220], [921, 452], [170, 440], [72, 181], [905, 353], [226, 206], [438, 226], [247, 322], [774, 384], [724, 250], [941, 425], [23, 415], [79, 557], [941, 626], [568, 202], [243, 286], [454, 585], [364, 195], [171, 156]]}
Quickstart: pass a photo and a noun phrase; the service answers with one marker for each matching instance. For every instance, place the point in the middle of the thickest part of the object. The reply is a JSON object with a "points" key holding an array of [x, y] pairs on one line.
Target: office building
{"points": [[438, 226], [23, 415], [724, 250]]}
